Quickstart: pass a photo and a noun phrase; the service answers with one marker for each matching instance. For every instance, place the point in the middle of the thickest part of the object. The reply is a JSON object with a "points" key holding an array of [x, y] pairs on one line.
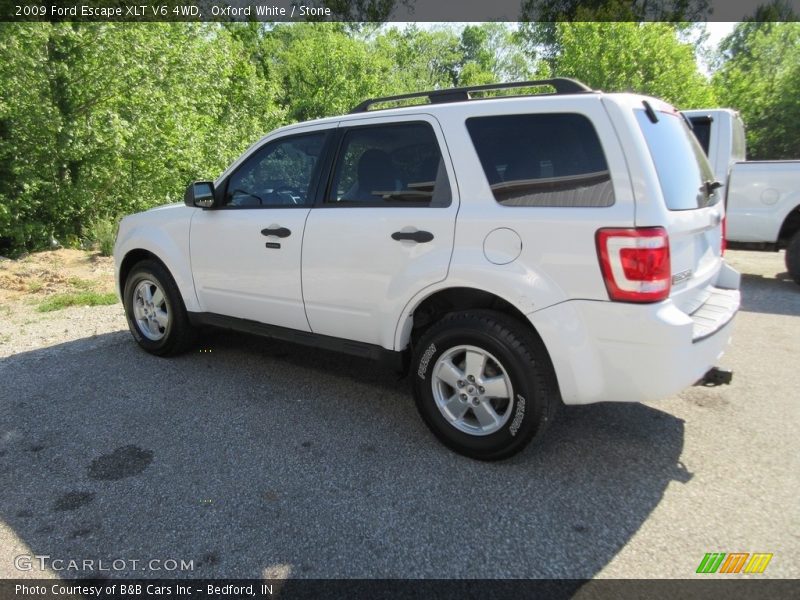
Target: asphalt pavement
{"points": [[252, 458]]}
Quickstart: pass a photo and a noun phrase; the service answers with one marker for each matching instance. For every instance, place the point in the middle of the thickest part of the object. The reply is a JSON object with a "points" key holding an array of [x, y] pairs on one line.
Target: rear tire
{"points": [[793, 258], [155, 311], [484, 384]]}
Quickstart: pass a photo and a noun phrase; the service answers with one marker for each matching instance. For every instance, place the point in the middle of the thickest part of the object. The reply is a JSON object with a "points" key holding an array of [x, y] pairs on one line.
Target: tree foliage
{"points": [[760, 77], [98, 120], [322, 71], [539, 32], [625, 56]]}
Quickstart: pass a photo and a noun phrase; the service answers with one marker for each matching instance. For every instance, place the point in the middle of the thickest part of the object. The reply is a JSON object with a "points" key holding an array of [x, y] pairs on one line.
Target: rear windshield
{"points": [[682, 167]]}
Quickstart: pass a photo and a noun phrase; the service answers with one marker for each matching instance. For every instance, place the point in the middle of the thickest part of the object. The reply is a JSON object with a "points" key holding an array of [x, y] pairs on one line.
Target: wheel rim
{"points": [[150, 310], [472, 390]]}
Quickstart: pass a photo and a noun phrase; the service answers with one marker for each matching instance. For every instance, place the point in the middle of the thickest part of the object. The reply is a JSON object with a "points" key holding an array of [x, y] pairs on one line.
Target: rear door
{"points": [[693, 202], [383, 230]]}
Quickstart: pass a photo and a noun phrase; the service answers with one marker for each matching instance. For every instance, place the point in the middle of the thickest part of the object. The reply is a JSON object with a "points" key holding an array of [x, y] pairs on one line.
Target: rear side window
{"points": [[682, 166], [542, 160]]}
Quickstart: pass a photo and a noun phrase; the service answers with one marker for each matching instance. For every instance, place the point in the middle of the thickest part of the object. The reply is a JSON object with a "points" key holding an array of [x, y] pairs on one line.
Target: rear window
{"points": [[681, 165], [702, 130], [542, 160]]}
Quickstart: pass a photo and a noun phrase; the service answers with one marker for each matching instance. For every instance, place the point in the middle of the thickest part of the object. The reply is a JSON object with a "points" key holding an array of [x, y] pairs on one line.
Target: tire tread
{"points": [[792, 258]]}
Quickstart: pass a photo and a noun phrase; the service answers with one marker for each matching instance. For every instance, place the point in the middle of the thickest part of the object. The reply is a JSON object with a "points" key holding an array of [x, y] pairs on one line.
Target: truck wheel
{"points": [[793, 258], [483, 384], [155, 311]]}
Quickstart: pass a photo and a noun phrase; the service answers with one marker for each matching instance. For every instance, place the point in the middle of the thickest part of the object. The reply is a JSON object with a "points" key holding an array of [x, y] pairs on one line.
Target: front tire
{"points": [[484, 384], [793, 258], [155, 311]]}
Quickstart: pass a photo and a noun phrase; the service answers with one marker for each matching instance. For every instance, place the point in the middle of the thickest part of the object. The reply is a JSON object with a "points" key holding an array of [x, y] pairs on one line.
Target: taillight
{"points": [[635, 263]]}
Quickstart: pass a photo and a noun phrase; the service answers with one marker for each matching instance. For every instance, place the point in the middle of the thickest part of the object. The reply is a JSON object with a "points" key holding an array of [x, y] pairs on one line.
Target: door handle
{"points": [[280, 232], [421, 237]]}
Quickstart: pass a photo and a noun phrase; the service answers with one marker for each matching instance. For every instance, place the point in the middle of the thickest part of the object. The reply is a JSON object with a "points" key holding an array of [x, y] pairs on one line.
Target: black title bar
{"points": [[704, 587]]}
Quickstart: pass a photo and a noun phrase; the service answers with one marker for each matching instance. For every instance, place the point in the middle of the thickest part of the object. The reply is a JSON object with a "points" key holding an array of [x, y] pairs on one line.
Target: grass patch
{"points": [[35, 286], [88, 298], [80, 284]]}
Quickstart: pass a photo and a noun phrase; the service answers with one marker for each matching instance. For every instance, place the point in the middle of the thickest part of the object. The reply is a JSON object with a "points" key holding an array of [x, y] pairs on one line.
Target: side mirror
{"points": [[200, 194]]}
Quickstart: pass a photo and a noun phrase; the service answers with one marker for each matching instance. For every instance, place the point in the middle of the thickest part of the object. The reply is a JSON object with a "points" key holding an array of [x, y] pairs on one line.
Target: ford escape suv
{"points": [[511, 252]]}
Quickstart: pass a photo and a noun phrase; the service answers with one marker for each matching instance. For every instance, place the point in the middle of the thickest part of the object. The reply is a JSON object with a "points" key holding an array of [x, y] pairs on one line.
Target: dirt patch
{"points": [[42, 274], [71, 284]]}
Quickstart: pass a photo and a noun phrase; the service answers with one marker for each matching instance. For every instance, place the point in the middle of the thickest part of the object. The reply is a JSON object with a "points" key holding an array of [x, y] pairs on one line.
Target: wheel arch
{"points": [[428, 309], [789, 226], [135, 255]]}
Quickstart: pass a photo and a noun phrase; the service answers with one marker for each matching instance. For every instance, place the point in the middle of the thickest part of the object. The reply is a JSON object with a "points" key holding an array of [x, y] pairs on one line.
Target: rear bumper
{"points": [[613, 351]]}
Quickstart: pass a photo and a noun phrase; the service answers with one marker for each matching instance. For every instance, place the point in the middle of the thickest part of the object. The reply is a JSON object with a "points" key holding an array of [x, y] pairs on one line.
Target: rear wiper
{"points": [[651, 114]]}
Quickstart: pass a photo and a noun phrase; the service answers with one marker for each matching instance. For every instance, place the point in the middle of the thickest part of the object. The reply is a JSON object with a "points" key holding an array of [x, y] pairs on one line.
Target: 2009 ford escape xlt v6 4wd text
{"points": [[513, 252]]}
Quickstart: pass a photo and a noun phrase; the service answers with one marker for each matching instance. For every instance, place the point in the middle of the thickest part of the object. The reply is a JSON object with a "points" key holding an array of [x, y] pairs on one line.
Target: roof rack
{"points": [[562, 85]]}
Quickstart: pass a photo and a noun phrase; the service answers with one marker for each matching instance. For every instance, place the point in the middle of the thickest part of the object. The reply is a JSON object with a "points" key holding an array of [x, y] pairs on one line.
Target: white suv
{"points": [[515, 252]]}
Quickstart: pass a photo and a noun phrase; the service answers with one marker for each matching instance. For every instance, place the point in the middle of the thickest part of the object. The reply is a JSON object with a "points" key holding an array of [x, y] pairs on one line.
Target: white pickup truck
{"points": [[763, 197]]}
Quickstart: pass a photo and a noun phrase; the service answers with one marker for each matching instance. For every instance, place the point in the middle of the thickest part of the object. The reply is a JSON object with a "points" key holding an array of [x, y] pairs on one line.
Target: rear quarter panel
{"points": [[558, 257]]}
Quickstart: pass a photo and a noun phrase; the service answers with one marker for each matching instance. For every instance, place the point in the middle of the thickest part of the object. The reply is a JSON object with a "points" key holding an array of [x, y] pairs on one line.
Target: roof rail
{"points": [[562, 85]]}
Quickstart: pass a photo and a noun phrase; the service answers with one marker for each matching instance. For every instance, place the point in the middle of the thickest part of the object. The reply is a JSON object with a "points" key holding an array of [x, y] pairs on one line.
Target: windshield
{"points": [[683, 170]]}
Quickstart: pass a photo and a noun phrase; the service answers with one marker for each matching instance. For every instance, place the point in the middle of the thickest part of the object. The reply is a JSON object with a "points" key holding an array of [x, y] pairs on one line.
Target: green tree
{"points": [[760, 77], [421, 59], [321, 70], [491, 54], [763, 18], [538, 32], [438, 58], [100, 119], [625, 56]]}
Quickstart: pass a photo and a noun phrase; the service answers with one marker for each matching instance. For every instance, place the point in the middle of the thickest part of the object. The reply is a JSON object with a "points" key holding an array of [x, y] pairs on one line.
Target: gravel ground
{"points": [[258, 459]]}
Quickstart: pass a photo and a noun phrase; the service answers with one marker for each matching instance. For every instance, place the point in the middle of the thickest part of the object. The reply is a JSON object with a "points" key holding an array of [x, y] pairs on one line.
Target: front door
{"points": [[246, 254]]}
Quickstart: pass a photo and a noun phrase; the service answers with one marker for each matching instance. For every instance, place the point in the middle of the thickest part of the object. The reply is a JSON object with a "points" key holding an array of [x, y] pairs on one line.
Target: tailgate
{"points": [[694, 208]]}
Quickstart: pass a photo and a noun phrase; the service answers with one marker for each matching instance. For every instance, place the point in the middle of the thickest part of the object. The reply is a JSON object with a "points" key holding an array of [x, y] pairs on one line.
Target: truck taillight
{"points": [[724, 243], [635, 263]]}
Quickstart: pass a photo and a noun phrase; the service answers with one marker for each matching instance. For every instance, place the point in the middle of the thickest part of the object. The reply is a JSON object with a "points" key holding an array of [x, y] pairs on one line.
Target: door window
{"points": [[280, 174], [390, 165]]}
